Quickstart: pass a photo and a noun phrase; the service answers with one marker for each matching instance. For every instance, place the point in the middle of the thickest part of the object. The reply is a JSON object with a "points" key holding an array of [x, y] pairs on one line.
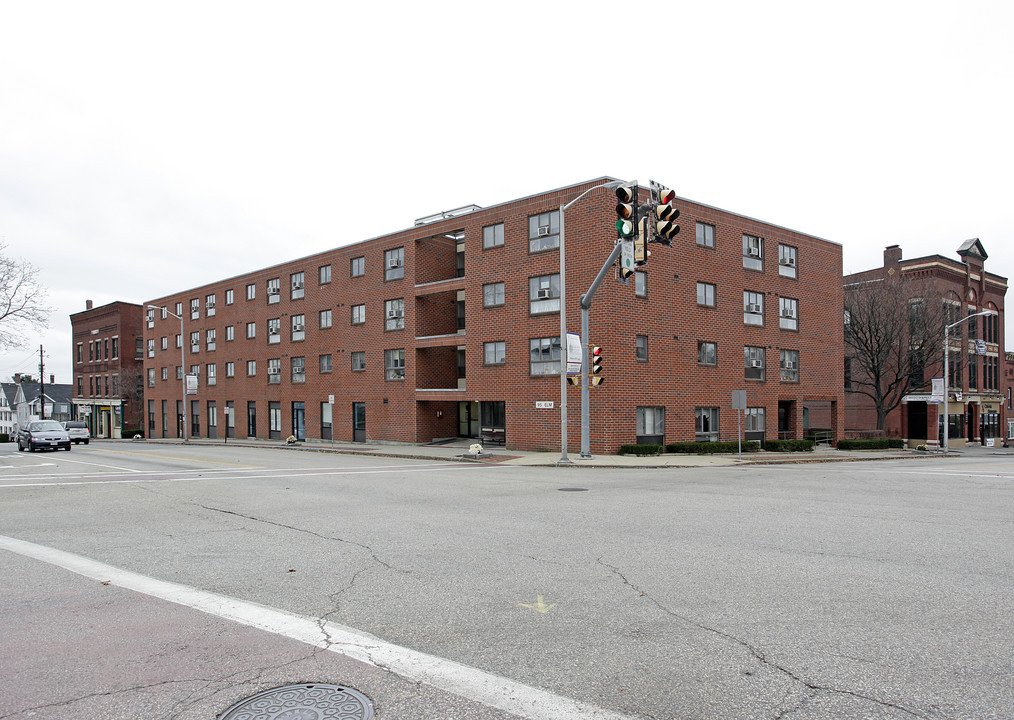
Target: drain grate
{"points": [[574, 489], [311, 701]]}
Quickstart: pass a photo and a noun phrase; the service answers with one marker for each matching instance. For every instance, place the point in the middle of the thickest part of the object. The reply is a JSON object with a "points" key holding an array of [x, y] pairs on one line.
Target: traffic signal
{"points": [[626, 211], [626, 259], [595, 370], [640, 243], [664, 227], [573, 379]]}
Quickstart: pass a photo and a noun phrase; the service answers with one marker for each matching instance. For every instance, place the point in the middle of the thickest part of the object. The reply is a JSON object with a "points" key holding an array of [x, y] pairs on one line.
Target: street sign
{"points": [[330, 399], [575, 353], [544, 405], [191, 384], [739, 399], [937, 394]]}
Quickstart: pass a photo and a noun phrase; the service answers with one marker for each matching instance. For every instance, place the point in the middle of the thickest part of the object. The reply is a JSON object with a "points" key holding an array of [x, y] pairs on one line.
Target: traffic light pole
{"points": [[586, 301]]}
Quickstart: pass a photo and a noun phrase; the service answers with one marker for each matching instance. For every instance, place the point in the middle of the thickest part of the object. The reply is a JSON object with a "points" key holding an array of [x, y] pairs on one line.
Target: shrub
{"points": [[131, 432], [788, 445], [705, 448], [4, 437], [646, 449], [872, 444]]}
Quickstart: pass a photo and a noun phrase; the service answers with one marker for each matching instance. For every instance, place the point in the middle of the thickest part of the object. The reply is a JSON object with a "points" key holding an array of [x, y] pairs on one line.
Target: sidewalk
{"points": [[457, 450]]}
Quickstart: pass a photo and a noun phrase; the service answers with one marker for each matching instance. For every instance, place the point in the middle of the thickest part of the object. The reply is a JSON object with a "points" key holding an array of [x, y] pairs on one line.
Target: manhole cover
{"points": [[303, 702]]}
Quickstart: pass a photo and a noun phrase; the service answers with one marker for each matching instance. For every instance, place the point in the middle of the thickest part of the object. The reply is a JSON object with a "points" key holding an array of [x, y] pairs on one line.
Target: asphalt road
{"points": [[142, 581]]}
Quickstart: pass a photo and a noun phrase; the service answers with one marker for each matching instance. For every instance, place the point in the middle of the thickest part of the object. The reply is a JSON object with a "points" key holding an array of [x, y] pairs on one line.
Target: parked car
{"points": [[43, 434], [78, 431]]}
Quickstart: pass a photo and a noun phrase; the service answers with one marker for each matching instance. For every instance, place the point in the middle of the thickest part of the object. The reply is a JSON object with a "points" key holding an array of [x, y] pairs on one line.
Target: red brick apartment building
{"points": [[977, 362], [108, 368], [451, 329]]}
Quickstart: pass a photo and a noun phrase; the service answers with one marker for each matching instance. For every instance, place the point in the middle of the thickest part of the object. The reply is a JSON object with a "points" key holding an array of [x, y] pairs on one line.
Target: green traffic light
{"points": [[625, 228]]}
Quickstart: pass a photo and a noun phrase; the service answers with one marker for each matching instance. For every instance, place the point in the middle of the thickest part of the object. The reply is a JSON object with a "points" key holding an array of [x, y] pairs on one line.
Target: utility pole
{"points": [[42, 386]]}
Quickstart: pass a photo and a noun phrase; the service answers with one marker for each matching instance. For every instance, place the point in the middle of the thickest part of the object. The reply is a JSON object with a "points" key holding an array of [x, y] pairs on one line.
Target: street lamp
{"points": [[612, 185], [183, 365], [947, 372]]}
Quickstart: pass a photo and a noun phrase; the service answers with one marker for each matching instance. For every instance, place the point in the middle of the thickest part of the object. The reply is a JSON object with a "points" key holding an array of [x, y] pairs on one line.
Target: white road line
{"points": [[468, 682], [50, 480], [114, 467]]}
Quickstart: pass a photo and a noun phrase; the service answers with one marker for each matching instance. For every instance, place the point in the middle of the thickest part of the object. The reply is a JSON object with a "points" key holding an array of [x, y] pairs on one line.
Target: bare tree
{"points": [[22, 300], [894, 331]]}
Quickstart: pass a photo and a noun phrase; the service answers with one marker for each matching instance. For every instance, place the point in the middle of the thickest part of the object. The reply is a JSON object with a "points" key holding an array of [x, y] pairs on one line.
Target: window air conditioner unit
{"points": [[756, 364], [393, 314], [274, 371], [790, 261], [297, 285], [543, 231], [790, 365], [753, 252], [394, 263], [273, 291], [542, 293], [297, 371], [786, 313], [753, 308]]}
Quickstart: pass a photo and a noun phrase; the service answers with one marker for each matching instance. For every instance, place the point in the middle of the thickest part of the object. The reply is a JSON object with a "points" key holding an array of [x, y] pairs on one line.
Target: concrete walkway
{"points": [[458, 450]]}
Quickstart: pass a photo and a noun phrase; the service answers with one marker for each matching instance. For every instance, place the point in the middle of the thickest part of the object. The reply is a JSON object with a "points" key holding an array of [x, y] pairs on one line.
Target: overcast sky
{"points": [[147, 148]]}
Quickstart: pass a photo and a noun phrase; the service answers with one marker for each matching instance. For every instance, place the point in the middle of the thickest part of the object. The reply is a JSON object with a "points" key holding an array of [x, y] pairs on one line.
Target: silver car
{"points": [[78, 431], [43, 434]]}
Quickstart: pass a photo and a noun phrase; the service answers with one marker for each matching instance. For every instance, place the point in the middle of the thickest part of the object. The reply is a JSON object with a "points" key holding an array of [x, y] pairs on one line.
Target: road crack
{"points": [[758, 655]]}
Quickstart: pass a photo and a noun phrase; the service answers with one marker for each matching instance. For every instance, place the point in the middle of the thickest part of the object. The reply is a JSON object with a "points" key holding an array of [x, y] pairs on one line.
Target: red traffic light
{"points": [[665, 195]]}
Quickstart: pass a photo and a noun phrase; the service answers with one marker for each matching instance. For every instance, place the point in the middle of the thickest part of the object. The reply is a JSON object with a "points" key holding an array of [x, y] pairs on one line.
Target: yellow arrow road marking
{"points": [[540, 606]]}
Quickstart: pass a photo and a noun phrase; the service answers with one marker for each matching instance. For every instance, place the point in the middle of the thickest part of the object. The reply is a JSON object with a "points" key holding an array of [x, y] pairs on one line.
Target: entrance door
{"points": [[918, 417], [358, 422], [299, 420], [251, 418], [468, 419]]}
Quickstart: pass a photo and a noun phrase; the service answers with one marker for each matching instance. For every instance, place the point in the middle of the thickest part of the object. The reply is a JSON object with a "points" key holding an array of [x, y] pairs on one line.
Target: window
{"points": [[325, 363], [494, 353], [251, 367], [195, 369], [179, 341], [165, 343], [210, 339], [544, 231], [787, 261], [705, 235], [492, 294], [274, 331], [492, 236], [165, 373], [179, 308], [150, 317], [641, 351], [651, 425], [990, 375], [274, 419], [544, 294], [325, 319], [753, 252], [973, 371], [229, 297], [640, 283], [251, 291], [394, 264], [211, 371], [298, 328], [706, 424], [707, 353], [706, 294], [209, 305], [251, 330], [789, 365], [545, 356], [151, 347], [754, 363], [151, 377], [357, 266], [138, 349], [195, 308], [324, 274], [195, 341], [80, 353], [230, 369], [753, 308], [105, 344], [179, 372], [358, 314], [298, 369], [230, 333], [296, 282], [394, 314], [788, 314], [358, 361], [754, 420], [274, 290], [116, 348], [394, 364], [274, 370]]}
